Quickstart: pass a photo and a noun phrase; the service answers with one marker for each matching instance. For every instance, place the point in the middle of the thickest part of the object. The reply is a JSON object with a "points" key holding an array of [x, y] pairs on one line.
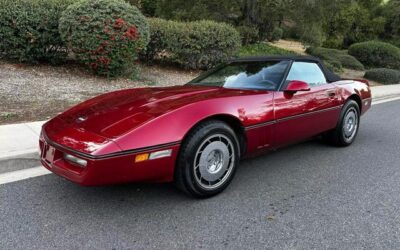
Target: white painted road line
{"points": [[386, 100], [23, 174]]}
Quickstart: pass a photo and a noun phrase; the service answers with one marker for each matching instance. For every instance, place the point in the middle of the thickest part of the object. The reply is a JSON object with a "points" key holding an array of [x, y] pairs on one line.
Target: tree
{"points": [[263, 15], [339, 22], [392, 13]]}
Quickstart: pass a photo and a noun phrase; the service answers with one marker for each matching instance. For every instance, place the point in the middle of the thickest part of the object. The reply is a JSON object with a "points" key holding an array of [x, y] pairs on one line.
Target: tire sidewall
{"points": [[189, 155], [350, 104]]}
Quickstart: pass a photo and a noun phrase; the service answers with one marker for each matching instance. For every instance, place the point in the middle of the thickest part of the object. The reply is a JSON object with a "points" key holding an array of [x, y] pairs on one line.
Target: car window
{"points": [[307, 72], [246, 75]]}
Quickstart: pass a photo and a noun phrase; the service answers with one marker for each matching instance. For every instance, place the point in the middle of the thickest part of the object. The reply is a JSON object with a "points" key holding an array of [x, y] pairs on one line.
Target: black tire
{"points": [[209, 135], [340, 135]]}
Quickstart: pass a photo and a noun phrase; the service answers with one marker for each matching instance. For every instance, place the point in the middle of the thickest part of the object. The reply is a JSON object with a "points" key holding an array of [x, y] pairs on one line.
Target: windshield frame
{"points": [[195, 81]]}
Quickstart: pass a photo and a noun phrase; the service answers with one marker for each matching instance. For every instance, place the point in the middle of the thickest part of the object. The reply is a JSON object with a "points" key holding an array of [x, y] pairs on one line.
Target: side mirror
{"points": [[295, 86]]}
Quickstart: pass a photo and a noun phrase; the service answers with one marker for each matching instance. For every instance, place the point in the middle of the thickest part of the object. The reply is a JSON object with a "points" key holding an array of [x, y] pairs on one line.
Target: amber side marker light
{"points": [[142, 157], [153, 156]]}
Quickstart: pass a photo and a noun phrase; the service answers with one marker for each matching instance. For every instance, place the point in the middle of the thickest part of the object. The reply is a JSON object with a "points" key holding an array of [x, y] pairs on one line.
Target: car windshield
{"points": [[265, 75]]}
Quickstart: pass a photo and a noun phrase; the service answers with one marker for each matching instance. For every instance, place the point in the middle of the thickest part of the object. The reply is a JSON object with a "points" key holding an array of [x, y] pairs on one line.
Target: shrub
{"points": [[147, 7], [249, 34], [334, 66], [395, 41], [263, 49], [384, 76], [29, 30], [276, 34], [192, 45], [336, 57], [376, 54], [350, 62], [291, 32], [105, 35], [312, 35], [335, 42]]}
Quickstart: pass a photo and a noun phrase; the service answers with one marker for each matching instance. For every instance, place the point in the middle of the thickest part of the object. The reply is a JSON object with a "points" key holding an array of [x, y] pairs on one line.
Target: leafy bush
{"points": [[291, 32], [336, 57], [382, 75], [147, 7], [193, 45], [312, 35], [395, 41], [376, 54], [263, 49], [276, 34], [105, 35], [333, 42], [249, 34], [29, 30], [334, 66]]}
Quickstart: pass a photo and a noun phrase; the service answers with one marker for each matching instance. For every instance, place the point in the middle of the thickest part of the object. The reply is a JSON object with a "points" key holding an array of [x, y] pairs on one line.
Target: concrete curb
{"points": [[385, 91], [19, 140], [20, 154]]}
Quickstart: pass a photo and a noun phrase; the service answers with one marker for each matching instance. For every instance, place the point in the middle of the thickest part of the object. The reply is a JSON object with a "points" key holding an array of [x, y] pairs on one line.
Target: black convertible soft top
{"points": [[330, 76]]}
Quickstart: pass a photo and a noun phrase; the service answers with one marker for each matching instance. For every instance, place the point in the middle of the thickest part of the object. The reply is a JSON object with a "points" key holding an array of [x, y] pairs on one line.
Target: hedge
{"points": [[338, 58], [191, 45], [376, 54], [384, 76], [29, 30], [334, 66], [105, 35], [263, 49]]}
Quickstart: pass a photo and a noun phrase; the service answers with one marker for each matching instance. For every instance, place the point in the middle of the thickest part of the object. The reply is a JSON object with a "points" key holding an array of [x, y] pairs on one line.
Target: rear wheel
{"points": [[208, 159], [347, 128]]}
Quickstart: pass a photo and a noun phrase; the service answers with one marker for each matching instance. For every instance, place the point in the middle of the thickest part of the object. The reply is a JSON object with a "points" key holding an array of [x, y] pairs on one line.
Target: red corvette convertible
{"points": [[196, 134]]}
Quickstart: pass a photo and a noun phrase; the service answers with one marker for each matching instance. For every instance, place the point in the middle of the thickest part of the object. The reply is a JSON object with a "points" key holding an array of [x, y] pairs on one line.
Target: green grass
{"points": [[263, 49]]}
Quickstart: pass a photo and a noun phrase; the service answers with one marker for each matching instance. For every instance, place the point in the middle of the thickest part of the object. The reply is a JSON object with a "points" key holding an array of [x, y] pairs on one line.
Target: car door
{"points": [[305, 113]]}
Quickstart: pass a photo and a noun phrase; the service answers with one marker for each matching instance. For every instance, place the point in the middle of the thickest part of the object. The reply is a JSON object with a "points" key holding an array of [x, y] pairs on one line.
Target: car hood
{"points": [[113, 114]]}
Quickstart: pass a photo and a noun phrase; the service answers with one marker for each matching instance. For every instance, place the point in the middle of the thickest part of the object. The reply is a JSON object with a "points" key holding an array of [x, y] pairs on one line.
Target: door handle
{"points": [[331, 93]]}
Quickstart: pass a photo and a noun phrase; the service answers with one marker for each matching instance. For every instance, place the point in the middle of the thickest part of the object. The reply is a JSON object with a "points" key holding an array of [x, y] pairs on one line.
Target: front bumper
{"points": [[120, 168]]}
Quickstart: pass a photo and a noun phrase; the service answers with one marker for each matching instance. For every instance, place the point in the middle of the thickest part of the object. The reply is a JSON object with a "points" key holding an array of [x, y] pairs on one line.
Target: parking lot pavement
{"points": [[307, 196]]}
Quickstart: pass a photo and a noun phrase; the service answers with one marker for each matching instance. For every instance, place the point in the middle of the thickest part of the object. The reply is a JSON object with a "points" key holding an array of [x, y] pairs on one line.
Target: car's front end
{"points": [[154, 164], [96, 142]]}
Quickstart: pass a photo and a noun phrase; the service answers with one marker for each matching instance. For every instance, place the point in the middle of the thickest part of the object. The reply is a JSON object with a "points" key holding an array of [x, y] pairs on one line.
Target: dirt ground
{"points": [[295, 46], [33, 93]]}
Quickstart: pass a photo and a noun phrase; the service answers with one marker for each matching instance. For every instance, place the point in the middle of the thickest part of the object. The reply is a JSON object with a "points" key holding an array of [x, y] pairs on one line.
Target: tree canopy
{"points": [[334, 23]]}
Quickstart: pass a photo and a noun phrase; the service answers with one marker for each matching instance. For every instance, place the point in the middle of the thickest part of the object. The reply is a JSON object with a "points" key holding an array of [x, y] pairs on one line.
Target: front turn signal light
{"points": [[142, 157]]}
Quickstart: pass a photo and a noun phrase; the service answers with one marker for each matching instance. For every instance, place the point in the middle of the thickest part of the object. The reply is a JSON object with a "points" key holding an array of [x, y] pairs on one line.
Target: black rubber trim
{"points": [[259, 125], [309, 113], [264, 124], [120, 153]]}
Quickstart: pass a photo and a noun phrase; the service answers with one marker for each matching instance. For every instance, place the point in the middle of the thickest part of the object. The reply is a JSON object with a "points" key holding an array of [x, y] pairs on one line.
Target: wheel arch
{"points": [[357, 99], [231, 121]]}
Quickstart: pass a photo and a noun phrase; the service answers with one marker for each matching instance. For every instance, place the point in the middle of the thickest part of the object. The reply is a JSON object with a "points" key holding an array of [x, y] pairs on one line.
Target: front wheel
{"points": [[347, 128], [208, 159]]}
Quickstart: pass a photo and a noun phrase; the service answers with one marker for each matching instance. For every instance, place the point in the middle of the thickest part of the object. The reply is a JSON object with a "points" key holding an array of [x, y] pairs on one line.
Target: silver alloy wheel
{"points": [[214, 161], [350, 124]]}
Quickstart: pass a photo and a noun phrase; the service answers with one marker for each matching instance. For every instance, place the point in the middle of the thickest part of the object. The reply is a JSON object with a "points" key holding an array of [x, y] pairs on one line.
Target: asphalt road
{"points": [[308, 196]]}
